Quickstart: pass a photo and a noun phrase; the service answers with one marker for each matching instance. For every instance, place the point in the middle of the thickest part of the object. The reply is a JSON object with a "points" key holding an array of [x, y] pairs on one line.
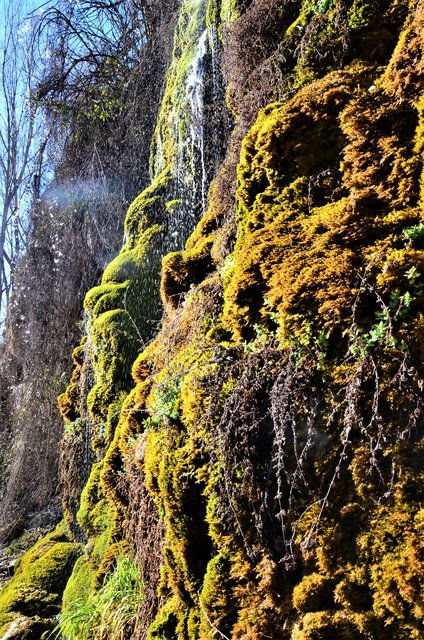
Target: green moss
{"points": [[165, 622], [212, 13], [362, 14], [36, 588], [59, 534], [124, 268], [49, 570], [98, 402], [220, 13], [106, 297], [146, 210], [173, 123], [79, 584], [301, 20], [229, 10], [216, 598], [129, 264], [70, 401], [182, 270], [115, 342], [94, 515]]}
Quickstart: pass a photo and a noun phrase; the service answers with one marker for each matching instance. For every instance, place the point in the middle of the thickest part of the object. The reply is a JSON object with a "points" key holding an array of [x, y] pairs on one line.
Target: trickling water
{"points": [[214, 48], [179, 142], [195, 94], [159, 155], [187, 144]]}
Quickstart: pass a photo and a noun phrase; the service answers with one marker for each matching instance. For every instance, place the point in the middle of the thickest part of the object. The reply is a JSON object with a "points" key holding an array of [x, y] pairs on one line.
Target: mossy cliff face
{"points": [[124, 310], [263, 465], [281, 444]]}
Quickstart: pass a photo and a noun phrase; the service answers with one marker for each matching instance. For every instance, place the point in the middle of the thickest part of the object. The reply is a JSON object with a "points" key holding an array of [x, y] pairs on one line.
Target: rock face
{"points": [[242, 454]]}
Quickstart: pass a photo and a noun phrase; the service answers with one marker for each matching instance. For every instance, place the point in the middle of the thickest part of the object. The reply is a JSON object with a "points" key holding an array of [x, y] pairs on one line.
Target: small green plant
{"points": [[131, 440], [78, 427], [378, 334], [415, 232], [398, 307], [263, 337], [323, 5], [166, 407], [110, 612], [412, 275]]}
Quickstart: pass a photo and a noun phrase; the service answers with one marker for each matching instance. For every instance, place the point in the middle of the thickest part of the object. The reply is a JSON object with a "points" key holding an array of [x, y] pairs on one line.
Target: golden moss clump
{"points": [[275, 205], [181, 270], [314, 593], [315, 228], [405, 73], [396, 551]]}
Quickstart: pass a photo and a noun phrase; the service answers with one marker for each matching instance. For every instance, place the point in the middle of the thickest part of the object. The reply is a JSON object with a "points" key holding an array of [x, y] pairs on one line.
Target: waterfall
{"points": [[195, 94], [179, 141]]}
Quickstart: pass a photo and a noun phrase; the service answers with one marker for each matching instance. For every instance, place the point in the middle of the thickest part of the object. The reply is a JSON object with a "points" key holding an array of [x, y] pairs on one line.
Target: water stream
{"points": [[195, 93]]}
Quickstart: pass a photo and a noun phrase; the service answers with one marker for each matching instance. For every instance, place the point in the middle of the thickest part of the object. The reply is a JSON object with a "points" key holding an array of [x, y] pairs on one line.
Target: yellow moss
{"points": [[314, 593], [274, 200], [306, 230], [378, 161], [94, 514], [146, 209], [182, 270], [327, 625], [216, 598], [165, 621], [353, 592], [405, 73], [260, 611], [397, 547], [68, 403], [130, 425], [106, 297]]}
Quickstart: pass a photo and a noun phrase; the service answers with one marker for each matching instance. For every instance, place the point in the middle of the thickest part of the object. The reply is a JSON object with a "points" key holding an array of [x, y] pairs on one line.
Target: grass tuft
{"points": [[110, 612]]}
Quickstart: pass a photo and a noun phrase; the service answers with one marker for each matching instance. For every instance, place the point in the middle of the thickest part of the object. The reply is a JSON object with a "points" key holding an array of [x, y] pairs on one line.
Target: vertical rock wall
{"points": [[256, 451]]}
